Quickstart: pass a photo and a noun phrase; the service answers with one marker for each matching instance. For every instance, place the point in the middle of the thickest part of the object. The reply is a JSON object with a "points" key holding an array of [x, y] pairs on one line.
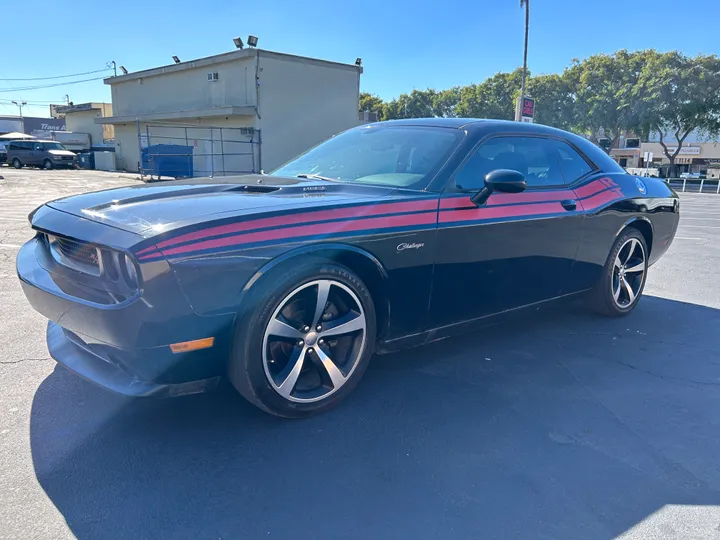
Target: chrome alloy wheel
{"points": [[628, 273], [314, 341]]}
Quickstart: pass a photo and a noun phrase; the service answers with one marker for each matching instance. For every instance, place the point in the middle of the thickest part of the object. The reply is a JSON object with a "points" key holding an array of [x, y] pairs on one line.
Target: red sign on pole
{"points": [[528, 107]]}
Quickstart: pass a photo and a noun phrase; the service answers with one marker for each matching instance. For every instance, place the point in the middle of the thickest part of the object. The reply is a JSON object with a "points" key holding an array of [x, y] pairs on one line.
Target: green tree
{"points": [[372, 103], [445, 103], [679, 95], [554, 101], [602, 86], [495, 98]]}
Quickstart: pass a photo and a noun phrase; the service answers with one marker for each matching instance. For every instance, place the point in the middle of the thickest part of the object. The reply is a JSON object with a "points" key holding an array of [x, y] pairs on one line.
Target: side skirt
{"points": [[443, 332]]}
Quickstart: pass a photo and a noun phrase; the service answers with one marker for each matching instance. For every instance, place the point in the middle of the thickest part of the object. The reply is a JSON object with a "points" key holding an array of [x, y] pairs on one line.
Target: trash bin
{"points": [[86, 160]]}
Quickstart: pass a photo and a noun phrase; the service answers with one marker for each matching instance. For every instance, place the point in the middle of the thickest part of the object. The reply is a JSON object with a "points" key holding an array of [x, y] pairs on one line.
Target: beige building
{"points": [[81, 119], [695, 157], [241, 111]]}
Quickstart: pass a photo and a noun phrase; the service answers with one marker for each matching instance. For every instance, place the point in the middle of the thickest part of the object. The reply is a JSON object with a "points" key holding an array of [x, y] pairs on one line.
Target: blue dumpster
{"points": [[86, 160], [173, 160]]}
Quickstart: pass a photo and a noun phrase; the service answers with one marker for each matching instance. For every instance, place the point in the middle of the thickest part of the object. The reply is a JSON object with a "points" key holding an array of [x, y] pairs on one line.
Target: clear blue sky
{"points": [[404, 44]]}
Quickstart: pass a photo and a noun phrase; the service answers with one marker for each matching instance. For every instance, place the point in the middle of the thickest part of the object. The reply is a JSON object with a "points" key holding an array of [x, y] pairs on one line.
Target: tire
{"points": [[47, 164], [17, 163], [623, 278], [261, 362]]}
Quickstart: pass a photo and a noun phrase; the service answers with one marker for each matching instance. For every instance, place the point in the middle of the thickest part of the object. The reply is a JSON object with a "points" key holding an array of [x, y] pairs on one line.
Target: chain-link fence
{"points": [[184, 151]]}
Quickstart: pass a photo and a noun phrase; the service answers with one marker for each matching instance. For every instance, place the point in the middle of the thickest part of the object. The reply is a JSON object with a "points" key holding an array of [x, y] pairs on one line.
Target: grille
{"points": [[73, 251]]}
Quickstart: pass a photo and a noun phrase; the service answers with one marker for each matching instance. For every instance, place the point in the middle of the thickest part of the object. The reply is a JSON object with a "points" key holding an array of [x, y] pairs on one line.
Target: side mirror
{"points": [[502, 180]]}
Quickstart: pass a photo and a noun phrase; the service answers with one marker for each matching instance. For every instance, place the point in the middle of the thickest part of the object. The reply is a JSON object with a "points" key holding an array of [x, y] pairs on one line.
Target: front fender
{"points": [[219, 283], [316, 250]]}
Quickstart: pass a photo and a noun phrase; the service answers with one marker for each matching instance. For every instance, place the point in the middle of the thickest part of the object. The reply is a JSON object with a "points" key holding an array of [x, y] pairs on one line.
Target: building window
{"points": [[211, 77]]}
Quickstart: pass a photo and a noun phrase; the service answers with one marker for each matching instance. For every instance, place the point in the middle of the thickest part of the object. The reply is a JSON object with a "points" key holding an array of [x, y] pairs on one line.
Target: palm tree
{"points": [[525, 4]]}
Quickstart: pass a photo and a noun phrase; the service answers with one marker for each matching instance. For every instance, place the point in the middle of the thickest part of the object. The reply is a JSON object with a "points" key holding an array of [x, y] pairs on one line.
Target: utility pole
{"points": [[524, 4], [114, 67], [20, 104]]}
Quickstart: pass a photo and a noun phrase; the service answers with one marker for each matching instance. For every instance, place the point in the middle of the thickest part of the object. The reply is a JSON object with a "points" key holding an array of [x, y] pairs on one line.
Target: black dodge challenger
{"points": [[385, 236]]}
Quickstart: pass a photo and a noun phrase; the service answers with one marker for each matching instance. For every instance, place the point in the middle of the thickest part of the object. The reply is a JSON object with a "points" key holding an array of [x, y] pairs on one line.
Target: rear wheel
{"points": [[623, 279], [17, 163], [47, 164], [308, 341]]}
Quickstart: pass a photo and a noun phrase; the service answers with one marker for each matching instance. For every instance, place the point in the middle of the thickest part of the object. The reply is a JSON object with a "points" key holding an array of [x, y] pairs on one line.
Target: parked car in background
{"points": [[386, 236], [3, 152], [45, 154], [692, 176]]}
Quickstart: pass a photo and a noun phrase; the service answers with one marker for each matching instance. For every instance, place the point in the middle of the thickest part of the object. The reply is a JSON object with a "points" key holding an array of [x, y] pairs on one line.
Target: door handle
{"points": [[569, 204]]}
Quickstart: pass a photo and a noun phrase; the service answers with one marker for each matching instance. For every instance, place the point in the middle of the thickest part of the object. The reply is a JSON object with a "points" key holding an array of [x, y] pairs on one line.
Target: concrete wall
{"points": [[204, 141], [84, 122], [302, 103], [187, 89]]}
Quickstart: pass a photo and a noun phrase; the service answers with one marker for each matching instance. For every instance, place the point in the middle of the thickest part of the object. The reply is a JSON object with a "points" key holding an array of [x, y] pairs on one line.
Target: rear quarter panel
{"points": [[656, 211]]}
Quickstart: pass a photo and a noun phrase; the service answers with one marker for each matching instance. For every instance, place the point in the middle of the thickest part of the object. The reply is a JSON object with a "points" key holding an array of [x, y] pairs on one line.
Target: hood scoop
{"points": [[255, 188]]}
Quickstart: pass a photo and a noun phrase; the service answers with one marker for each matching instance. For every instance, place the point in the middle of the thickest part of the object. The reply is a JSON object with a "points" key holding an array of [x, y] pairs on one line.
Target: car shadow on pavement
{"points": [[562, 426]]}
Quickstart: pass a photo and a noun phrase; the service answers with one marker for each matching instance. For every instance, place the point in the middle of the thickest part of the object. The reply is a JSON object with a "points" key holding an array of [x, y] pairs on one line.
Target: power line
{"points": [[59, 76], [40, 87], [31, 102]]}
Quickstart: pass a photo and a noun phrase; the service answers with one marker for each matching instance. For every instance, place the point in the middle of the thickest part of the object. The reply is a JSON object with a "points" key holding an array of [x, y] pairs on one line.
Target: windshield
{"points": [[53, 146], [400, 156]]}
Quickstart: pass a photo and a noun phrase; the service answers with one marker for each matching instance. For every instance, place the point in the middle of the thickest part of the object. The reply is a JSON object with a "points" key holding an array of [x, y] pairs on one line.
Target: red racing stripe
{"points": [[590, 189], [309, 230], [501, 212], [455, 202], [526, 197], [303, 217], [596, 201], [532, 197]]}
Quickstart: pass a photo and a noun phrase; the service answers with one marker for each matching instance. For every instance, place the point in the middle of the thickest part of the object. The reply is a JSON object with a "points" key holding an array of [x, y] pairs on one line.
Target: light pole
{"points": [[518, 112], [20, 104]]}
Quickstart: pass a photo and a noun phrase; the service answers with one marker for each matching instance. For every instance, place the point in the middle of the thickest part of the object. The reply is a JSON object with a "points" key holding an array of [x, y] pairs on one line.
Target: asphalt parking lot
{"points": [[564, 426]]}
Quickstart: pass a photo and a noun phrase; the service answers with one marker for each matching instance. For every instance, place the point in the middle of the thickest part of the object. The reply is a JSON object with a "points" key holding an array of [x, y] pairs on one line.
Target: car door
{"points": [[516, 248], [36, 154], [25, 151]]}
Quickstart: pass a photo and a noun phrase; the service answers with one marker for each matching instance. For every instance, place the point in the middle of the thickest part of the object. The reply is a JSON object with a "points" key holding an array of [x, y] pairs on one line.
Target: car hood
{"points": [[151, 209], [61, 153]]}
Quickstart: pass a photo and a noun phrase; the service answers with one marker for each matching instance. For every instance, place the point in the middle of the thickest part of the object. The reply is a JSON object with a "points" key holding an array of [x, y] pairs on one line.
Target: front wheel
{"points": [[307, 342], [47, 164], [623, 279]]}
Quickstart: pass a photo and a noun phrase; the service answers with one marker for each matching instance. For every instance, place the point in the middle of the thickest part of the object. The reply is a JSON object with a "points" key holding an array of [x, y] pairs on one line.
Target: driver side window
{"points": [[38, 147], [534, 157]]}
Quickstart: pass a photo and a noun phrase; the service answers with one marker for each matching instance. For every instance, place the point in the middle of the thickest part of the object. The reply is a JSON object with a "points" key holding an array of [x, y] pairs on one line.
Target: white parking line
{"points": [[687, 238], [702, 226], [9, 246]]}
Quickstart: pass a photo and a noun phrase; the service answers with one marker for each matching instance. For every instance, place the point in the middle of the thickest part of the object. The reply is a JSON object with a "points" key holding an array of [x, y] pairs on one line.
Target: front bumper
{"points": [[123, 346], [106, 371]]}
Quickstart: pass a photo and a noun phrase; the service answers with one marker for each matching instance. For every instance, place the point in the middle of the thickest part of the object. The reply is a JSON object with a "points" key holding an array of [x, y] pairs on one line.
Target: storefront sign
{"points": [[32, 124], [687, 150]]}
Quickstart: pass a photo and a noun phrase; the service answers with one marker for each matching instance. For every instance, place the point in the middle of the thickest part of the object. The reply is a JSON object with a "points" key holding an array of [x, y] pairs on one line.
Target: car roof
{"points": [[472, 124], [479, 128], [433, 122]]}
